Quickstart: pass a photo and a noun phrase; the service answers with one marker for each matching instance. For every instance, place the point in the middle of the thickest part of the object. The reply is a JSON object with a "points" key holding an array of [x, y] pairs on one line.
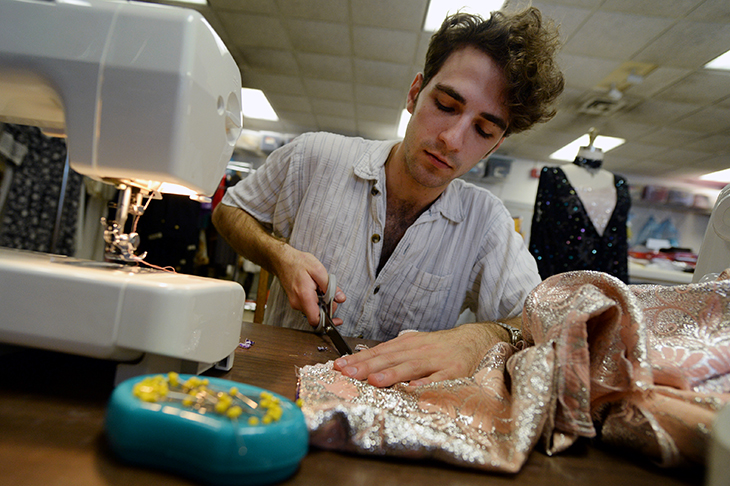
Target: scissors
{"points": [[326, 308]]}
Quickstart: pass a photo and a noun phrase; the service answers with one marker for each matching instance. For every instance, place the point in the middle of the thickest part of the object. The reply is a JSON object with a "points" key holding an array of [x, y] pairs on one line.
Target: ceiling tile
{"points": [[649, 168], [419, 58], [333, 68], [679, 156], [322, 106], [379, 96], [688, 45], [551, 138], [725, 103], [719, 143], [249, 6], [617, 165], [568, 19], [319, 37], [380, 114], [721, 162], [264, 125], [381, 73], [711, 11], [659, 113], [376, 131], [378, 44], [621, 127], [400, 15], [669, 137], [669, 8], [583, 71], [255, 31], [327, 10], [572, 3], [280, 101], [339, 124], [274, 83], [658, 80], [709, 120], [637, 150], [302, 118], [270, 60], [615, 35], [333, 90], [703, 87]]}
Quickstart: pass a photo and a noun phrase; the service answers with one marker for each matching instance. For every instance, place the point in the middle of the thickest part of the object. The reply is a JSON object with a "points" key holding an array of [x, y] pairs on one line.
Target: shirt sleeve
{"points": [[505, 272], [273, 193]]}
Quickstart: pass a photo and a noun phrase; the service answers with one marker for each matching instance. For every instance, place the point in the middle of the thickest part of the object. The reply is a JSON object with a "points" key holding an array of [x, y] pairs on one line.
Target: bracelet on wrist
{"points": [[515, 335]]}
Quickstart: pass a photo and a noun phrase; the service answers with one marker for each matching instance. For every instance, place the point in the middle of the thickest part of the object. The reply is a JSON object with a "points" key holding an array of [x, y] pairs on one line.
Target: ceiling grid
{"points": [[346, 65]]}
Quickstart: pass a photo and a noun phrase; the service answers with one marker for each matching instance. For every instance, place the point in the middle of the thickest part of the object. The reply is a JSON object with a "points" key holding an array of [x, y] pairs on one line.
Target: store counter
{"points": [[641, 274]]}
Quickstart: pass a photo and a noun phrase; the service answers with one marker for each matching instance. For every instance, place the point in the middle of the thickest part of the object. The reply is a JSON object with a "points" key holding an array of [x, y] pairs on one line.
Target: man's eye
{"points": [[482, 133], [443, 107]]}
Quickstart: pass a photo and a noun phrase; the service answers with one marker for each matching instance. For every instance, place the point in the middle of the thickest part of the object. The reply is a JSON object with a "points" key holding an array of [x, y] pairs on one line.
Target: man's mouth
{"points": [[439, 161]]}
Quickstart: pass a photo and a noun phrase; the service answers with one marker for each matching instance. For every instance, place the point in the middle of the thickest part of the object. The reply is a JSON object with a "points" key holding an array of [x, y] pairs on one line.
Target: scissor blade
{"points": [[342, 347]]}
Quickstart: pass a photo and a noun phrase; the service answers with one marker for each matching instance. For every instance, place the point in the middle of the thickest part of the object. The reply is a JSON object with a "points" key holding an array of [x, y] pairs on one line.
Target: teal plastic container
{"points": [[209, 448]]}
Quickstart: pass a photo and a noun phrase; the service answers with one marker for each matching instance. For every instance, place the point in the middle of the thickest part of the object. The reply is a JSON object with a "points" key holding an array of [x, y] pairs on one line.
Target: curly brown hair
{"points": [[522, 44]]}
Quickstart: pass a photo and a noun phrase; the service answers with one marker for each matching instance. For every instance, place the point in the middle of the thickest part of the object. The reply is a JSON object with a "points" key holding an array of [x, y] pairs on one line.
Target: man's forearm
{"points": [[499, 332], [300, 273], [247, 236], [487, 334]]}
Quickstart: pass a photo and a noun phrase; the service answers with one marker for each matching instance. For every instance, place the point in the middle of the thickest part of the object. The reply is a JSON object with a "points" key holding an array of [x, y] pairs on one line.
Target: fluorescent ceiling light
{"points": [[569, 152], [404, 118], [720, 62], [195, 2], [255, 105], [719, 176], [439, 9]]}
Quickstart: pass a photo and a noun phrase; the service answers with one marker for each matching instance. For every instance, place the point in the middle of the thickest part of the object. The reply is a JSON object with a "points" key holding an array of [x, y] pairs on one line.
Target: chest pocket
{"points": [[421, 301]]}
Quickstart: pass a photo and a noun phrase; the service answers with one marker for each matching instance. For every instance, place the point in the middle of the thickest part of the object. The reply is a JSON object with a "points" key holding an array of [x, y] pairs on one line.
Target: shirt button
{"points": [[374, 191], [375, 238], [376, 290]]}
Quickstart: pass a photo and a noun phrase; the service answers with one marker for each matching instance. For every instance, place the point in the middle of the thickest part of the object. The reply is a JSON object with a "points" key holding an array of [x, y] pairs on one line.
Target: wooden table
{"points": [[52, 429]]}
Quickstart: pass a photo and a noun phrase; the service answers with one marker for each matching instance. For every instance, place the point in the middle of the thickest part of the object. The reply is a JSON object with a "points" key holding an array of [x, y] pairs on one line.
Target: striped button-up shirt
{"points": [[325, 194]]}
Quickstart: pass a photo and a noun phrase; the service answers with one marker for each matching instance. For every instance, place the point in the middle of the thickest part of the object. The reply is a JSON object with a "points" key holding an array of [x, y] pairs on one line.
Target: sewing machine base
{"points": [[145, 319]]}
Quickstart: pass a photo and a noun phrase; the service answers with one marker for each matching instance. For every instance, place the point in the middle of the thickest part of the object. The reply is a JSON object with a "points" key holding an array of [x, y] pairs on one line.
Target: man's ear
{"points": [[413, 93]]}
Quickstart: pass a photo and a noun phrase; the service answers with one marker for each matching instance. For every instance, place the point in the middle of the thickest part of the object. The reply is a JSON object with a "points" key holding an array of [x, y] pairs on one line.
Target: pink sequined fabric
{"points": [[647, 367]]}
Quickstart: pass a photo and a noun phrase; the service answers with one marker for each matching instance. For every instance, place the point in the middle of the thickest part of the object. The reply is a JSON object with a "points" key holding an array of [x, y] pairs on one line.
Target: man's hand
{"points": [[301, 274], [424, 357]]}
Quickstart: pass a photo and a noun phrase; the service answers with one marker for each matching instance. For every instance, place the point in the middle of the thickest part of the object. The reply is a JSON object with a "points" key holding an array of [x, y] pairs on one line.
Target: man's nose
{"points": [[453, 135]]}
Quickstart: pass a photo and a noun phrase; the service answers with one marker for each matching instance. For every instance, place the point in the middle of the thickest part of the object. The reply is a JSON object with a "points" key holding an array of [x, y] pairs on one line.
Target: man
{"points": [[411, 245]]}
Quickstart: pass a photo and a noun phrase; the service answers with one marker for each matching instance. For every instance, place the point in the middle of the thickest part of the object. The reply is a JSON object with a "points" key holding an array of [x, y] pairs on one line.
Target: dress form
{"points": [[579, 220], [595, 186]]}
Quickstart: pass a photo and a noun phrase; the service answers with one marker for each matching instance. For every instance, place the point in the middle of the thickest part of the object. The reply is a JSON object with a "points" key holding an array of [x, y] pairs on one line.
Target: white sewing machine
{"points": [[148, 97]]}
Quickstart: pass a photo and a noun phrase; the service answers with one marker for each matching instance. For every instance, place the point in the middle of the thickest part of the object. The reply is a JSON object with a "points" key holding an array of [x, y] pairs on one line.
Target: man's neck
{"points": [[406, 200], [402, 189]]}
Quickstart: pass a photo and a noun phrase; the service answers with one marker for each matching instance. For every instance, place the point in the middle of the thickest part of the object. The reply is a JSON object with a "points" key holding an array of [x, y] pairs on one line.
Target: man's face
{"points": [[458, 118]]}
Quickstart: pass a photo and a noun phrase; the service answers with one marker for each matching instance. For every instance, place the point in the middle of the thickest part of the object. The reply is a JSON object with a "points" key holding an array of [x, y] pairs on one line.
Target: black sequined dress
{"points": [[563, 237]]}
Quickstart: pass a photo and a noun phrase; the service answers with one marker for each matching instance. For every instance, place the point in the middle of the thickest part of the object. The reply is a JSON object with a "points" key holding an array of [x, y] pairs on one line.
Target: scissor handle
{"points": [[329, 296], [328, 301]]}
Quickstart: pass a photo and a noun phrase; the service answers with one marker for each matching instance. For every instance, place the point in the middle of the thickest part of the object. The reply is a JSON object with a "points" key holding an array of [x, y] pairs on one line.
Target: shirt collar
{"points": [[449, 203], [371, 164]]}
